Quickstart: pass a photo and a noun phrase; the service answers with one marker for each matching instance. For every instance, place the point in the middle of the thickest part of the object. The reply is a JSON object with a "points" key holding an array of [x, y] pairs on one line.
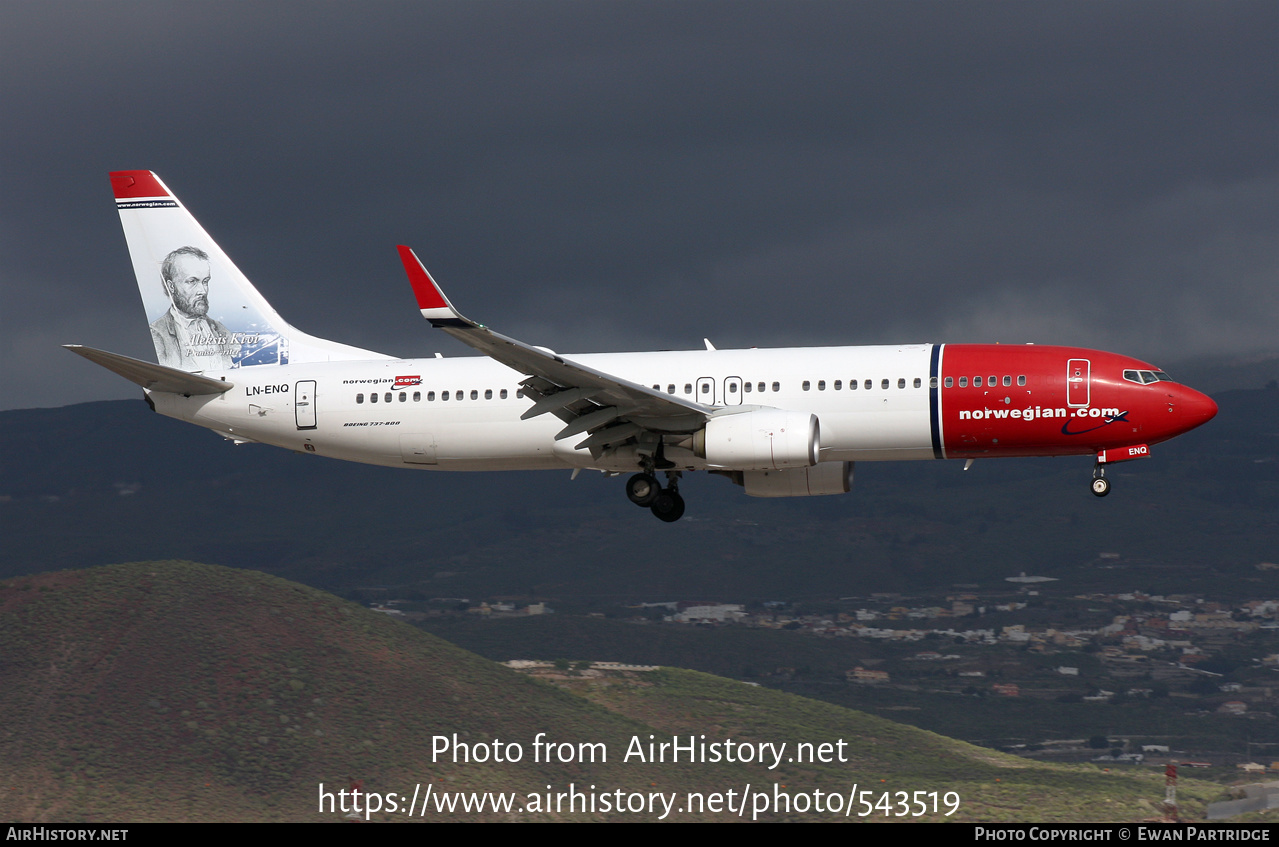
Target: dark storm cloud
{"points": [[638, 175]]}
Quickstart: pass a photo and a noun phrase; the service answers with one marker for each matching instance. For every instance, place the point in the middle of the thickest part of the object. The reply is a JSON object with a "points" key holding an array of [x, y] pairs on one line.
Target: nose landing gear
{"points": [[1100, 485]]}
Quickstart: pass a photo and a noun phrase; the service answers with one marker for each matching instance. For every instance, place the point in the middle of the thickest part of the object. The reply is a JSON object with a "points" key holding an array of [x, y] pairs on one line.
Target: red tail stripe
{"points": [[130, 184]]}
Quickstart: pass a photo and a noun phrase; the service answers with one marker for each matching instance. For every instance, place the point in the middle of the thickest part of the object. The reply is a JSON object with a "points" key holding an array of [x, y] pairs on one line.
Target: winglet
{"points": [[435, 307]]}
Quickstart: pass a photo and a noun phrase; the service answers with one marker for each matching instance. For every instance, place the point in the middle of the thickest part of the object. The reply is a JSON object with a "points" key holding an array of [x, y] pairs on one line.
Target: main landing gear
{"points": [[1100, 485], [645, 491]]}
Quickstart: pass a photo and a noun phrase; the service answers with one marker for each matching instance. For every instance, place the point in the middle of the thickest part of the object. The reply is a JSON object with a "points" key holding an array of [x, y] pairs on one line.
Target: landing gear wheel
{"points": [[1100, 486], [668, 506], [642, 489]]}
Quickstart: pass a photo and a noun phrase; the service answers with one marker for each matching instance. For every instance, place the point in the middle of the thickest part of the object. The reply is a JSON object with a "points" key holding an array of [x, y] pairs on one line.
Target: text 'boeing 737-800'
{"points": [[779, 422]]}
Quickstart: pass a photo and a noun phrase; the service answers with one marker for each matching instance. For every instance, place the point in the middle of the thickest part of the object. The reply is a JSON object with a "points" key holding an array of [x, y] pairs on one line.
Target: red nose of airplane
{"points": [[1194, 408]]}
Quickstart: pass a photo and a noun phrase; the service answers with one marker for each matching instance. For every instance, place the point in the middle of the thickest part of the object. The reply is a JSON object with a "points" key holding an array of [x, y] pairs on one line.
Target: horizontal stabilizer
{"points": [[151, 376]]}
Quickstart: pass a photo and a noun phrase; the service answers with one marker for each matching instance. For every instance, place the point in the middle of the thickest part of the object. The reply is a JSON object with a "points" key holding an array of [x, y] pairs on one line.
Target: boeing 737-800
{"points": [[778, 422]]}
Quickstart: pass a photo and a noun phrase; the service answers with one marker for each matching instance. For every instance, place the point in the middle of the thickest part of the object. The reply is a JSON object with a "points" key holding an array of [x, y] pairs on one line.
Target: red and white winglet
{"points": [[435, 307]]}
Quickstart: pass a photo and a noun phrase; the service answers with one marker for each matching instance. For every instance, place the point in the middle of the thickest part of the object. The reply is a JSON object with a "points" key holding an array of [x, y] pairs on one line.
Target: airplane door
{"points": [[1078, 382], [733, 391], [304, 404], [706, 390]]}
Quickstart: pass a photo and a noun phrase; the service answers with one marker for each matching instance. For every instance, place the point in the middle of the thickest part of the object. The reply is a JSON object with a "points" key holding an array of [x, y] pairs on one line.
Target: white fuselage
{"points": [[780, 423], [329, 408]]}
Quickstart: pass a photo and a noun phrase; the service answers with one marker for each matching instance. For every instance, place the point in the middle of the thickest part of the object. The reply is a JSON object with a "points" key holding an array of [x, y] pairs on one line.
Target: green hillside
{"points": [[177, 691]]}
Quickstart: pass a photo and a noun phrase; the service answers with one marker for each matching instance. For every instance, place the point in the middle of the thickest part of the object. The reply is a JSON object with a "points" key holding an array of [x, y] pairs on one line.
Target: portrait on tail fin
{"points": [[204, 315], [185, 336]]}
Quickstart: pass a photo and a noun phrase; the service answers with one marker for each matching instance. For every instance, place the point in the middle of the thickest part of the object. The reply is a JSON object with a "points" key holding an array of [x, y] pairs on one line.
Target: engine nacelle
{"points": [[766, 439], [825, 478]]}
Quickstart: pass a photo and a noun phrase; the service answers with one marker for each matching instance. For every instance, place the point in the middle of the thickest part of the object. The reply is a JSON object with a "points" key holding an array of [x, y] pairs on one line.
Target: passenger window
{"points": [[760, 388], [519, 393], [839, 384], [417, 396], [1008, 380], [883, 383], [706, 388], [777, 386], [963, 382], [372, 398], [852, 385], [387, 398], [917, 382], [430, 396], [994, 380], [488, 394], [688, 388], [976, 382], [901, 382], [359, 398], [932, 382], [404, 395], [1021, 380], [867, 384], [746, 386], [475, 395], [502, 394], [732, 388], [670, 389], [444, 395], [950, 382], [806, 385]]}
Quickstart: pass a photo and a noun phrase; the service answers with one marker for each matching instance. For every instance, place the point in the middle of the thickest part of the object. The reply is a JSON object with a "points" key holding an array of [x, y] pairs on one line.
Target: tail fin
{"points": [[204, 313]]}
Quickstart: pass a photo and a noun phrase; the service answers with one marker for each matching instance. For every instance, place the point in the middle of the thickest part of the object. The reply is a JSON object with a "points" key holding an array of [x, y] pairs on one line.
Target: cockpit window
{"points": [[1146, 377]]}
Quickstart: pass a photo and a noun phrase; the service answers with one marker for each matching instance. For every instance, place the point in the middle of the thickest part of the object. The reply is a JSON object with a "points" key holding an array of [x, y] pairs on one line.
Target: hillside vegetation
{"points": [[179, 691]]}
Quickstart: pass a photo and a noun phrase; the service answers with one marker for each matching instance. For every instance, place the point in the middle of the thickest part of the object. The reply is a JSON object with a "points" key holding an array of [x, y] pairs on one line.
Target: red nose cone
{"points": [[1195, 408]]}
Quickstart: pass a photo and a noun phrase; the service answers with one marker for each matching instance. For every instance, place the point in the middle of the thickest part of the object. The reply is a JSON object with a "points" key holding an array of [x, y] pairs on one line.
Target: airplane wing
{"points": [[606, 407], [151, 376]]}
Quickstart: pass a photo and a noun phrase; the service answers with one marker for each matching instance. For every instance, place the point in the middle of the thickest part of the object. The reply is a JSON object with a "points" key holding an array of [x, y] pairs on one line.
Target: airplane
{"points": [[777, 422]]}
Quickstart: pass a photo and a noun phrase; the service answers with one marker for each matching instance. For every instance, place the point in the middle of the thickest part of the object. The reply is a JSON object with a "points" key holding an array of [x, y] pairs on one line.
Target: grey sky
{"points": [[622, 175]]}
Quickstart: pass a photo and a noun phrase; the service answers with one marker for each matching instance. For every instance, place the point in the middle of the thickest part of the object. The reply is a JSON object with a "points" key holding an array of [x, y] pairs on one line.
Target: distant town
{"points": [[1191, 655]]}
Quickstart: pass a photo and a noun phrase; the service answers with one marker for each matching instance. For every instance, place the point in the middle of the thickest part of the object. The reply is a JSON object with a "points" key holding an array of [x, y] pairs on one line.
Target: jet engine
{"points": [[764, 439]]}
